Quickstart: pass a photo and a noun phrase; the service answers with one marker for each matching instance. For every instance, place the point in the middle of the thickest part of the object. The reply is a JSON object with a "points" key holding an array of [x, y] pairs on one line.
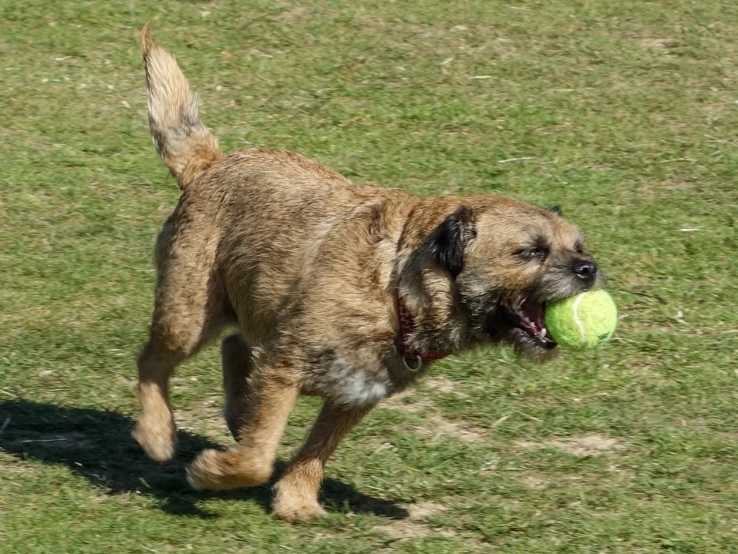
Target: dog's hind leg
{"points": [[175, 336], [189, 310], [270, 397], [155, 429], [237, 364]]}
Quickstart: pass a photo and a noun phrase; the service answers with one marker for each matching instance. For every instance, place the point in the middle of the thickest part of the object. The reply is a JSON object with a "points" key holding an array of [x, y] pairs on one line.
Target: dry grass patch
{"points": [[589, 445], [415, 525], [662, 44], [443, 385], [206, 418], [434, 424]]}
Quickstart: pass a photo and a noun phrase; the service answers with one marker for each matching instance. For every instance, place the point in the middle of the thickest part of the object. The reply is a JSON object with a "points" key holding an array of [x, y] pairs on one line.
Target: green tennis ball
{"points": [[582, 322]]}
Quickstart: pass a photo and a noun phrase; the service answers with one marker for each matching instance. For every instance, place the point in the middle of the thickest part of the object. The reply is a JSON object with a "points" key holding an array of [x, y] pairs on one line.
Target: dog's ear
{"points": [[449, 239], [556, 209]]}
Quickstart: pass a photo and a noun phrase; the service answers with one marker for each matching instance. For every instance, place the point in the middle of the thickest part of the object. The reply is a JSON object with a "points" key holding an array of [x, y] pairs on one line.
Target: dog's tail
{"points": [[183, 142]]}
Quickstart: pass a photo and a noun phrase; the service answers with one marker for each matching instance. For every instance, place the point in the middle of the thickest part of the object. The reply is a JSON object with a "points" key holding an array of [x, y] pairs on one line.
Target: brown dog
{"points": [[339, 290]]}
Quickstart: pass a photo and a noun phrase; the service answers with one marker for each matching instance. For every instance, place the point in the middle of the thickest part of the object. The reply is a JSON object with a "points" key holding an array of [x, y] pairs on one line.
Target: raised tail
{"points": [[183, 142]]}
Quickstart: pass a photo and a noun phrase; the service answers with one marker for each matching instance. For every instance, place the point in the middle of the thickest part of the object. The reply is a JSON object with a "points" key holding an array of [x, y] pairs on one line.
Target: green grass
{"points": [[623, 112]]}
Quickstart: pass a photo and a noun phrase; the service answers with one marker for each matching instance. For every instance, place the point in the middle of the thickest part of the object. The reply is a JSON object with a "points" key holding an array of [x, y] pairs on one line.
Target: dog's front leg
{"points": [[297, 491]]}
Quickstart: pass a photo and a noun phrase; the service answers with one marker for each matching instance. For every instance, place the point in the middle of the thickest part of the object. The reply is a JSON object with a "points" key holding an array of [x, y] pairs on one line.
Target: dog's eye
{"points": [[533, 253], [579, 248]]}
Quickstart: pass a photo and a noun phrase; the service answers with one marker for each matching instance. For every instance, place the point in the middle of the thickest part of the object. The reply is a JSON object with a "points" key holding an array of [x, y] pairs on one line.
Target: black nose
{"points": [[585, 270]]}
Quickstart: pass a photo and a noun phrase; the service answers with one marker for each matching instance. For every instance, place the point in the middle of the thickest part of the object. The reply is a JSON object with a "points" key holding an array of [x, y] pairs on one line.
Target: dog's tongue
{"points": [[534, 314]]}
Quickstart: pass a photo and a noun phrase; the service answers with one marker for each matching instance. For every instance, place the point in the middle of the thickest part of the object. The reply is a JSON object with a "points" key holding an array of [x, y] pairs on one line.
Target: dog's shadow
{"points": [[98, 446]]}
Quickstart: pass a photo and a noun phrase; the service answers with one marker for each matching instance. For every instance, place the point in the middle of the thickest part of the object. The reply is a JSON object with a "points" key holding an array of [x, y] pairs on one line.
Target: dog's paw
{"points": [[157, 437], [296, 509], [230, 469], [293, 502]]}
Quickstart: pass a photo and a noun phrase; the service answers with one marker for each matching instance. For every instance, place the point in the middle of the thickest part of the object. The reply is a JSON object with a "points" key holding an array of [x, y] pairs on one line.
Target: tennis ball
{"points": [[582, 322]]}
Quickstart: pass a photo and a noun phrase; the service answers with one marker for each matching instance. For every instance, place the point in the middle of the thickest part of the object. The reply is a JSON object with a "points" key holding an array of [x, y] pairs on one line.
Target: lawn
{"points": [[625, 113]]}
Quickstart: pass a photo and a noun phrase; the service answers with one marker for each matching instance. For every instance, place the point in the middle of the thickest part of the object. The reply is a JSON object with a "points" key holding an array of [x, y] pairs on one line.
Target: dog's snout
{"points": [[586, 270]]}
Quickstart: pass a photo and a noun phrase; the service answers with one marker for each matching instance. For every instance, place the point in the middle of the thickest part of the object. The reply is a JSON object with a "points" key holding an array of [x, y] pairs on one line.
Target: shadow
{"points": [[97, 445]]}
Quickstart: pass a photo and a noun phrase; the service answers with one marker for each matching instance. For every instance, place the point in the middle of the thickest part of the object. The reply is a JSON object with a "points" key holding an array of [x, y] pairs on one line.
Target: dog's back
{"points": [[274, 211], [256, 218]]}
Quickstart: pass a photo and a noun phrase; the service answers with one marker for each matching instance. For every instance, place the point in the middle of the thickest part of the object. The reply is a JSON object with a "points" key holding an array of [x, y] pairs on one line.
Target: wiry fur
{"points": [[309, 267], [183, 142]]}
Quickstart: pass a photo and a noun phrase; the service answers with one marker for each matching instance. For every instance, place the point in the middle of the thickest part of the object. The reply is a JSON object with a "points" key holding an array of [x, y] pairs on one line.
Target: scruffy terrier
{"points": [[344, 291]]}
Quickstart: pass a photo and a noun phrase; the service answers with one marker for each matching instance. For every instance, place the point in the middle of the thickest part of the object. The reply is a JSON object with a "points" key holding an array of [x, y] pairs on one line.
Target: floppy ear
{"points": [[449, 239]]}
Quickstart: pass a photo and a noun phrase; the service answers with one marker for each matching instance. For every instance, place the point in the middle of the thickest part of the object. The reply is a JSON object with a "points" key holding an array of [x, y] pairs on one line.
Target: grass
{"points": [[623, 112]]}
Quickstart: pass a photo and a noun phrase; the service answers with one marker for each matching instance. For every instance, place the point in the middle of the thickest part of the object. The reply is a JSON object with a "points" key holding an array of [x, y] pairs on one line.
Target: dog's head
{"points": [[502, 262]]}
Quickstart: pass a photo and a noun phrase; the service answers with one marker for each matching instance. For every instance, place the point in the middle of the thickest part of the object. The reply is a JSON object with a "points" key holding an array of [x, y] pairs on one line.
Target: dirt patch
{"points": [[663, 44], [589, 445], [424, 510], [536, 483], [404, 530], [414, 526], [443, 385], [401, 401], [206, 417], [436, 424], [433, 424]]}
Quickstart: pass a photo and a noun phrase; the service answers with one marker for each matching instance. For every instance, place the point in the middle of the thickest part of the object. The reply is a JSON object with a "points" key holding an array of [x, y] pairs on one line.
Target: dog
{"points": [[343, 291]]}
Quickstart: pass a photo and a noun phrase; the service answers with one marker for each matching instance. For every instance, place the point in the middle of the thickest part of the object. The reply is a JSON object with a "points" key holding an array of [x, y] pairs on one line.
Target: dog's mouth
{"points": [[527, 316]]}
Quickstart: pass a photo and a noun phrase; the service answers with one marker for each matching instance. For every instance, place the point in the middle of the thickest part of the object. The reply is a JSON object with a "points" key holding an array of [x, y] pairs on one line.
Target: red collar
{"points": [[414, 359]]}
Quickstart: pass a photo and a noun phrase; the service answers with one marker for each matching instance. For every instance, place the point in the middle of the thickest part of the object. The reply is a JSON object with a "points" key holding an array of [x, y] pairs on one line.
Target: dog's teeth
{"points": [[543, 333]]}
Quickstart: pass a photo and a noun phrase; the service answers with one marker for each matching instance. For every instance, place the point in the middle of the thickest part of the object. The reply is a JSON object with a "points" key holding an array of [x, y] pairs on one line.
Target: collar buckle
{"points": [[418, 363]]}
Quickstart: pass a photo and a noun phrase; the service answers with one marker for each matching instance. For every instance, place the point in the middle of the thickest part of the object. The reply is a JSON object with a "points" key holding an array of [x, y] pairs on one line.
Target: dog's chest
{"points": [[361, 389], [352, 380]]}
